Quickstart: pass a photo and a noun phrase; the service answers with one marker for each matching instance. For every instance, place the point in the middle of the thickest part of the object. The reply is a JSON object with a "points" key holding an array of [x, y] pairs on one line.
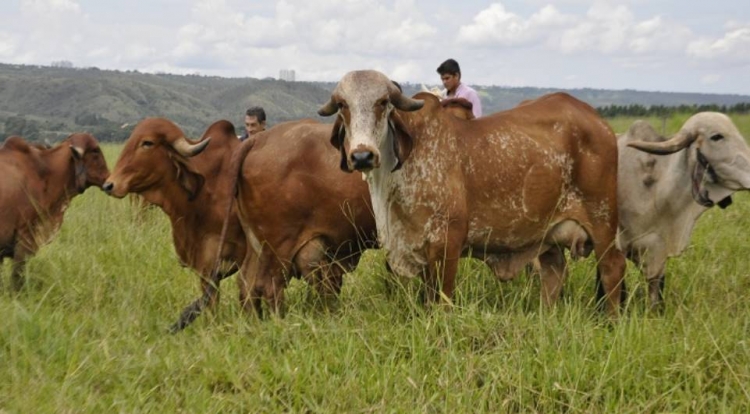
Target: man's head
{"points": [[450, 74], [255, 120]]}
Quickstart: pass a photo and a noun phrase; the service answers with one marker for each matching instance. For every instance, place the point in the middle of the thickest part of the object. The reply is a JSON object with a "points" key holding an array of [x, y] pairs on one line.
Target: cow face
{"points": [[155, 154], [90, 166], [719, 156], [364, 102]]}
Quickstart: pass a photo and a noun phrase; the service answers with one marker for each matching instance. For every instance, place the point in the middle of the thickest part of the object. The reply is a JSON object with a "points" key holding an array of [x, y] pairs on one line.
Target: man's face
{"points": [[450, 81], [253, 126]]}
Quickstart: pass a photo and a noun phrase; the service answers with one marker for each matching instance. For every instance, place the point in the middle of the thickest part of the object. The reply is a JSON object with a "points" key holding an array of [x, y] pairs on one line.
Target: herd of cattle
{"points": [[433, 185]]}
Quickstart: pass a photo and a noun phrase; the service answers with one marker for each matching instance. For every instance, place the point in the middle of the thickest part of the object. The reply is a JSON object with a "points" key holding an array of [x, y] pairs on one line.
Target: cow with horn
{"points": [[36, 187], [189, 181], [666, 184]]}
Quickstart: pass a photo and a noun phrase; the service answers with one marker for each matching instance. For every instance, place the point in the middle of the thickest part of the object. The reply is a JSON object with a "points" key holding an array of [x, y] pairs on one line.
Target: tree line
{"points": [[50, 131], [611, 111], [109, 131]]}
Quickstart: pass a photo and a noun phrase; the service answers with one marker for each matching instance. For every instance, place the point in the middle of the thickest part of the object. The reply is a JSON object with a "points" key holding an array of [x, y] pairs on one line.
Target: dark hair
{"points": [[450, 67], [257, 112]]}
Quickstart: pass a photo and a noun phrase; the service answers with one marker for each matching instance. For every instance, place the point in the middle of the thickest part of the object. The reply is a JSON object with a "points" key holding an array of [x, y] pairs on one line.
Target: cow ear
{"points": [[403, 143], [338, 134], [189, 180]]}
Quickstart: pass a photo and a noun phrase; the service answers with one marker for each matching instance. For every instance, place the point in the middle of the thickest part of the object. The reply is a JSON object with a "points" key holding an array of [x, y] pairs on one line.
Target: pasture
{"points": [[89, 332]]}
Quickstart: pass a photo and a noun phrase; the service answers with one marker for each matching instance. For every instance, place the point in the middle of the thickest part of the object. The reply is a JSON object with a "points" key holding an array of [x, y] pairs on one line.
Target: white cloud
{"points": [[605, 28], [566, 42], [8, 45], [44, 7], [406, 71], [657, 35], [710, 79], [733, 46], [498, 26]]}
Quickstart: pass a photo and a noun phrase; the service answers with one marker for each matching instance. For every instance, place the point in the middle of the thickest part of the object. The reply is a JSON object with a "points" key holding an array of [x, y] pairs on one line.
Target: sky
{"points": [[654, 45]]}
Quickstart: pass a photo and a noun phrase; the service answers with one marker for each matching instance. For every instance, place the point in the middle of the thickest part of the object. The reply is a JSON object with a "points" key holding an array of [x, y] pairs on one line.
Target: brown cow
{"points": [[36, 187], [302, 215], [506, 188], [188, 182]]}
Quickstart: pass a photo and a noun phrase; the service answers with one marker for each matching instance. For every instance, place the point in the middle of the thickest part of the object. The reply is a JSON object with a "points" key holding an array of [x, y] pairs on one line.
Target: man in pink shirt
{"points": [[450, 74]]}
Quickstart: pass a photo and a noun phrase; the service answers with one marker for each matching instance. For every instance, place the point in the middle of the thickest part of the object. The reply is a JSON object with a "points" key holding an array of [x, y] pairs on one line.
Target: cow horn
{"points": [[186, 149], [77, 151], [681, 140], [402, 102], [329, 108]]}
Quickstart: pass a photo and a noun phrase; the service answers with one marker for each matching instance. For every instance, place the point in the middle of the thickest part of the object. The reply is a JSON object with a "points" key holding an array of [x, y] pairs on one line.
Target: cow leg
{"points": [[268, 282], [315, 266], [601, 294], [442, 267], [656, 293], [209, 298], [553, 273], [273, 291], [654, 271], [610, 270], [246, 280], [262, 278], [17, 277], [651, 259]]}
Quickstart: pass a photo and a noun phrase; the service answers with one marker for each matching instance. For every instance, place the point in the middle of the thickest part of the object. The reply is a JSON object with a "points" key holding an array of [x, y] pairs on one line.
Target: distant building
{"points": [[62, 64], [286, 75]]}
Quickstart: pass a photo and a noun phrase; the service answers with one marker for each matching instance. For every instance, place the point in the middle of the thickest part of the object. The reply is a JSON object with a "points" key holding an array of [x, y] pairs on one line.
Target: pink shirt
{"points": [[466, 92]]}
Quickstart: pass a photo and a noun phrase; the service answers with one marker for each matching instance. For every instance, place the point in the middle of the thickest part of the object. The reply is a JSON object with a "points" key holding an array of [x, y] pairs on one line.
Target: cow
{"points": [[505, 188], [666, 184], [301, 215], [189, 182], [36, 187]]}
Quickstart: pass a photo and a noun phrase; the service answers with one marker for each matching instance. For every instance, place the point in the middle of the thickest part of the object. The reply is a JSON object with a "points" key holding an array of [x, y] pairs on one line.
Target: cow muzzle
{"points": [[110, 188], [364, 160]]}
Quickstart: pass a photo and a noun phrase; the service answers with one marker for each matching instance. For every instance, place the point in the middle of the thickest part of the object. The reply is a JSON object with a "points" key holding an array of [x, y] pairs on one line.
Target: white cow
{"points": [[661, 196]]}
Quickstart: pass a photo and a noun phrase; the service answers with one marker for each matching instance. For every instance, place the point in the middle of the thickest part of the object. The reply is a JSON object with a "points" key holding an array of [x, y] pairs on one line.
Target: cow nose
{"points": [[108, 187], [363, 160]]}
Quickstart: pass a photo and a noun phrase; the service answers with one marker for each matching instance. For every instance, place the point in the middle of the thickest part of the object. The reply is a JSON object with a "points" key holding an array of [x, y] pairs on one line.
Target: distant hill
{"points": [[56, 101], [48, 103]]}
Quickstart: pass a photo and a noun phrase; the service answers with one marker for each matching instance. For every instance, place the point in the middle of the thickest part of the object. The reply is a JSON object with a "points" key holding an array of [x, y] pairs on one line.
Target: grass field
{"points": [[88, 334]]}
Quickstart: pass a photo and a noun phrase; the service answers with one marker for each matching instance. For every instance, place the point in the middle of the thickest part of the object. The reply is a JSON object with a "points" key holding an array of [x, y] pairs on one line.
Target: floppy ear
{"points": [[402, 141], [189, 180], [338, 134]]}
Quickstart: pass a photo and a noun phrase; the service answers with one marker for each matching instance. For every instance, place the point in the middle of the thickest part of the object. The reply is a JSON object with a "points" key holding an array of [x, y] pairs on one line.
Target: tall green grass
{"points": [[89, 334]]}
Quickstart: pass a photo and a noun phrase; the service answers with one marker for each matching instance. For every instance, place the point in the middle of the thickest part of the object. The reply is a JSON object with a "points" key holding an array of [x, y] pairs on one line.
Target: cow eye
{"points": [[716, 137], [342, 105], [147, 144], [383, 102]]}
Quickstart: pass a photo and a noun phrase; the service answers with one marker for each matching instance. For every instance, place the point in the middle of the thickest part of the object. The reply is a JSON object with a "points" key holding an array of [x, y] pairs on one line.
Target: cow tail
{"points": [[235, 169]]}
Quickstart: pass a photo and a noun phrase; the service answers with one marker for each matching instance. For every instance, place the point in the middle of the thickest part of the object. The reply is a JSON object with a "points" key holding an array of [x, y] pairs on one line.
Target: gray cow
{"points": [[661, 196]]}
